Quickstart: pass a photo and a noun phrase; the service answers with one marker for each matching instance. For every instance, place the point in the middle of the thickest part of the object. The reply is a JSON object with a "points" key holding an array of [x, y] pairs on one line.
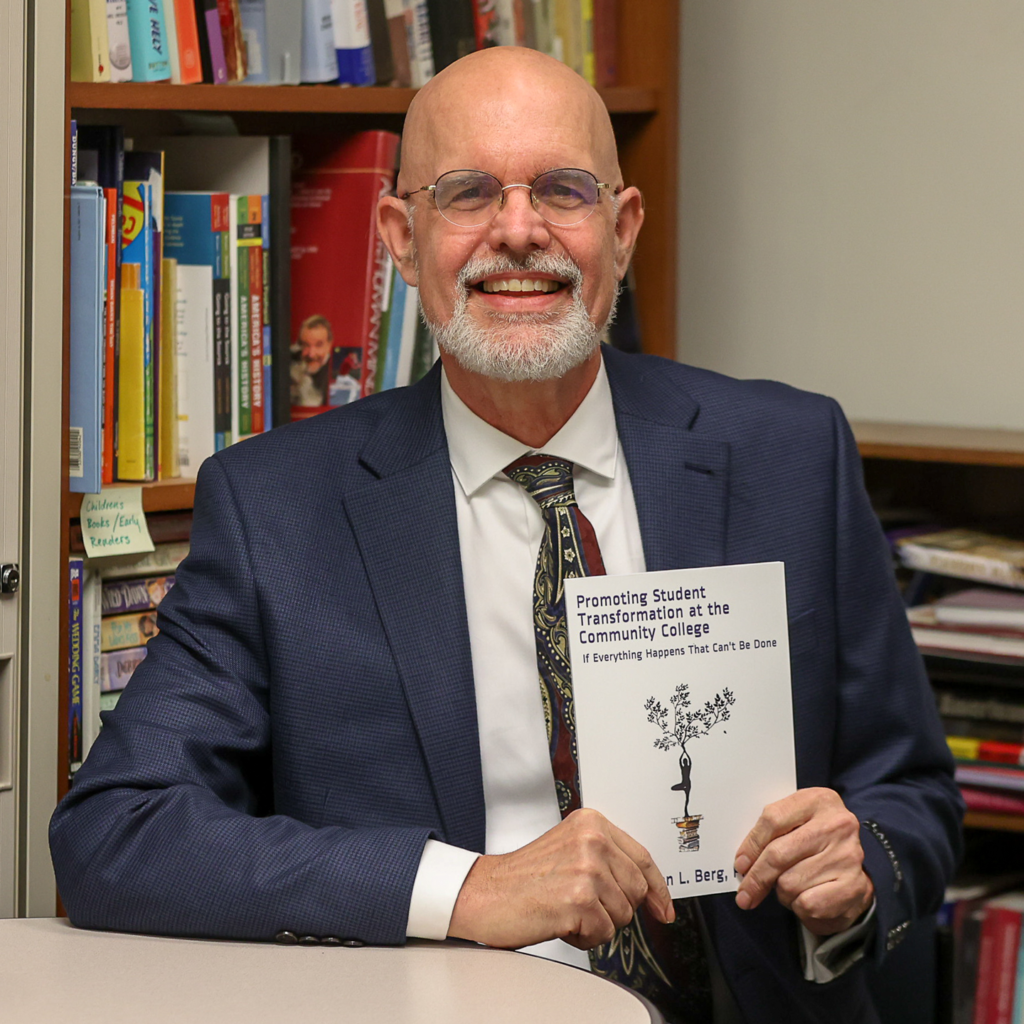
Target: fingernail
{"points": [[743, 900], [742, 864], [670, 912]]}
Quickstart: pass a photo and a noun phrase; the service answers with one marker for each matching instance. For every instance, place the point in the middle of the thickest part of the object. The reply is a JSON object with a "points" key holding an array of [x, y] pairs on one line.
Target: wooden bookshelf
{"points": [[962, 445], [996, 822]]}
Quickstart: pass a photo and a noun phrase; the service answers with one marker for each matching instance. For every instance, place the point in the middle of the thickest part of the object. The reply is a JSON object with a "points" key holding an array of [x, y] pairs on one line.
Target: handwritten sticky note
{"points": [[113, 523]]}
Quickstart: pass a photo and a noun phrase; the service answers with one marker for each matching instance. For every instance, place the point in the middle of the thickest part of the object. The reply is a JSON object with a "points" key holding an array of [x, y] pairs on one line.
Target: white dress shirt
{"points": [[500, 530]]}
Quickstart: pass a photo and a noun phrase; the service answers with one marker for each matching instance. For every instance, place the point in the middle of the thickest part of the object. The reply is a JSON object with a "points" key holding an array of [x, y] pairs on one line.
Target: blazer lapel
{"points": [[680, 479], [405, 525]]}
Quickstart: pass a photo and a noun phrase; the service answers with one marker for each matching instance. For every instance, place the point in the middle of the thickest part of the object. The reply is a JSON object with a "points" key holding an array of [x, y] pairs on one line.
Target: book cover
{"points": [[993, 776], [90, 46], [111, 331], [685, 675], [421, 50], [452, 30], [338, 266], [351, 23], [196, 372], [147, 31], [162, 560], [197, 234], [211, 43], [171, 28], [387, 353], [190, 62], [284, 42], [119, 632], [239, 328], [983, 608], [75, 664], [87, 344], [253, 244], [231, 37], [140, 595], [116, 668], [254, 35], [964, 642], [131, 377], [119, 43], [268, 346], [967, 554], [987, 801], [91, 669], [319, 57], [1000, 946]]}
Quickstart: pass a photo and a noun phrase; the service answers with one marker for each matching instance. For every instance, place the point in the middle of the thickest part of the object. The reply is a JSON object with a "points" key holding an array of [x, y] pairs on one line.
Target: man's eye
{"points": [[470, 196], [563, 195]]}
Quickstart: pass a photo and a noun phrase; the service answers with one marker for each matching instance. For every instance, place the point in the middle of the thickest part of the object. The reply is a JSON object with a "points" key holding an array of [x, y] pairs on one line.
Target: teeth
{"points": [[520, 284]]}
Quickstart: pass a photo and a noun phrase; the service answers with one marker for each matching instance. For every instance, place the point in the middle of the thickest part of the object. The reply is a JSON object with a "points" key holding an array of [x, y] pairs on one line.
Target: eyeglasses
{"points": [[566, 195]]}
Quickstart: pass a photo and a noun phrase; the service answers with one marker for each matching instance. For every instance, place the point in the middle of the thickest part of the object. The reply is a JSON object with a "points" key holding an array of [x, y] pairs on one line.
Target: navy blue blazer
{"points": [[306, 718]]}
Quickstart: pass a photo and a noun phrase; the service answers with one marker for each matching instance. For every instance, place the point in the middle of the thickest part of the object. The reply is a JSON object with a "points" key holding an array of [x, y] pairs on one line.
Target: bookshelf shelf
{"points": [[289, 99], [962, 445], [164, 496], [997, 822]]}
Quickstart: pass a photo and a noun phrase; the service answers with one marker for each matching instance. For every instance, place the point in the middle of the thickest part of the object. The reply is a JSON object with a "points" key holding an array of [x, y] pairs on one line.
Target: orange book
{"points": [[188, 42]]}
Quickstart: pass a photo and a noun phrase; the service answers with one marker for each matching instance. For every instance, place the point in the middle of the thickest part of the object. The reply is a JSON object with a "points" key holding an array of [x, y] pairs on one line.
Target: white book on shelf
{"points": [[119, 41], [196, 429]]}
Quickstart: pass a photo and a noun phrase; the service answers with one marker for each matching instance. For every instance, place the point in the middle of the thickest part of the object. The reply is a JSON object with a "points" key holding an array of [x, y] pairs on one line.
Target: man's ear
{"points": [[627, 227], [393, 226]]}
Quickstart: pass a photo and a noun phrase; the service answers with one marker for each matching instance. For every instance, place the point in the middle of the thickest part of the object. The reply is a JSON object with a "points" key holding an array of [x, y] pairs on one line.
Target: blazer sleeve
{"points": [[891, 763], [169, 827]]}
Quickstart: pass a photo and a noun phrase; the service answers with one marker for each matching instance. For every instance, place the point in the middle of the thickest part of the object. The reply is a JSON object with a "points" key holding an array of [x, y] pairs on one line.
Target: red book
{"points": [[338, 266], [256, 320], [231, 34], [997, 967], [111, 322], [188, 42], [1004, 753], [485, 23], [991, 802]]}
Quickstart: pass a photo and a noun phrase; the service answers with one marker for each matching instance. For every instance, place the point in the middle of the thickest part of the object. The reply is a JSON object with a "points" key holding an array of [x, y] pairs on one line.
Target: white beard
{"points": [[521, 346]]}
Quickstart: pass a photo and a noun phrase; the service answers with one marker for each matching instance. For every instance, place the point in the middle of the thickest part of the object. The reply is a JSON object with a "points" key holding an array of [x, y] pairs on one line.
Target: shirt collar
{"points": [[479, 452]]}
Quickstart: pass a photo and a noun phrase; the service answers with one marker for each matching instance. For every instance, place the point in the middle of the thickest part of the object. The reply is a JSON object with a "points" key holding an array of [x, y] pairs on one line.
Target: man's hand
{"points": [[578, 882], [807, 847]]}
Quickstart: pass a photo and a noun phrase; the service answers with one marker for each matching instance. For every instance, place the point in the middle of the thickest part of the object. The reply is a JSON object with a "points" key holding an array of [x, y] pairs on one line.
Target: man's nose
{"points": [[518, 225]]}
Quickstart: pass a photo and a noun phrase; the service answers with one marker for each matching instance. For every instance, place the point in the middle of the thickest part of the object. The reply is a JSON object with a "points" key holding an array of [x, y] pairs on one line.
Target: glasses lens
{"points": [[566, 196], [467, 197]]}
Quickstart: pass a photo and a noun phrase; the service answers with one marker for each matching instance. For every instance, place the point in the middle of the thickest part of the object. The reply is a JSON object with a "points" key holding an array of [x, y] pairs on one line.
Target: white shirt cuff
{"points": [[439, 879], [827, 956]]}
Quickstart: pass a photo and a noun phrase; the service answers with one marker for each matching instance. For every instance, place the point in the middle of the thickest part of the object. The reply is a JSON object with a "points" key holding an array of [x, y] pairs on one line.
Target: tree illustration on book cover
{"points": [[687, 726]]}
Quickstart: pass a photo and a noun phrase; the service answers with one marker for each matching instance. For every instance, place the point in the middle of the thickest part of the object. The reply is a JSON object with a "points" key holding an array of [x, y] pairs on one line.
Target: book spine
{"points": [[1004, 753], [1007, 943], [170, 23], [267, 329], [167, 434], [1017, 1015], [984, 996], [319, 57], [398, 35], [421, 56], [255, 356], [110, 329], [131, 457], [235, 327], [91, 614], [971, 567], [254, 35], [117, 667], [90, 47], [148, 33], [352, 42], [119, 597], [452, 30], [587, 58], [118, 41], [224, 315], [380, 40], [208, 22], [165, 558], [284, 42], [189, 56], [243, 390], [122, 631], [75, 653], [377, 265], [231, 38]]}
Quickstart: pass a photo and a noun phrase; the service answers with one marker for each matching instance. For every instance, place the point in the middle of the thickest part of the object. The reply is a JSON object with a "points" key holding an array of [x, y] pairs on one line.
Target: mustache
{"points": [[535, 262]]}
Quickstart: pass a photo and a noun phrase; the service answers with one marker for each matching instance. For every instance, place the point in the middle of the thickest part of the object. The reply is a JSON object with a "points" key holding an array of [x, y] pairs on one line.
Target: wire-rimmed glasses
{"points": [[566, 195]]}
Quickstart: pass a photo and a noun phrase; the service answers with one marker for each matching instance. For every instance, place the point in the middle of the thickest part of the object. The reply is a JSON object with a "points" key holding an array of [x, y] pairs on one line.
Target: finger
{"points": [[833, 906], [778, 857], [657, 895], [593, 928], [776, 820]]}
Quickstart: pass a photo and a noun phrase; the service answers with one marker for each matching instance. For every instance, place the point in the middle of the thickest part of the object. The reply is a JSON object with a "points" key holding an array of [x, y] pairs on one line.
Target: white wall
{"points": [[852, 202]]}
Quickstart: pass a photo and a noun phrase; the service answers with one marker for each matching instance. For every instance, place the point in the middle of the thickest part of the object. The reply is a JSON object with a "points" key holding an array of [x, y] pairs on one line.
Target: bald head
{"points": [[486, 108]]}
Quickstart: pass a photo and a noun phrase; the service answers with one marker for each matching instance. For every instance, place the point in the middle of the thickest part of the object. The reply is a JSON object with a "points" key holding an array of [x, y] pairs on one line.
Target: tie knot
{"points": [[545, 478]]}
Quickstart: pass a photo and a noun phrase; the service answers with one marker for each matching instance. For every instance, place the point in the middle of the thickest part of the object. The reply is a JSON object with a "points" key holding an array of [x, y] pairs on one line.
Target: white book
{"points": [[120, 45], [235, 326], [319, 57], [421, 53], [196, 432], [92, 610], [284, 43], [684, 711], [410, 315], [171, 20]]}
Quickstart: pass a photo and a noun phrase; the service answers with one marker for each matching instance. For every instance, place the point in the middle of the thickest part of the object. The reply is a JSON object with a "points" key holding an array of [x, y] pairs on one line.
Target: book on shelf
{"points": [[164, 559], [319, 57], [988, 801], [399, 23], [380, 40], [967, 554], [970, 748], [116, 668], [75, 663], [981, 608], [992, 776], [91, 667], [131, 630], [147, 31], [131, 377], [231, 35], [930, 636], [119, 43], [211, 43], [354, 50], [281, 51], [187, 62], [90, 44], [335, 318], [452, 30], [88, 285], [134, 595]]}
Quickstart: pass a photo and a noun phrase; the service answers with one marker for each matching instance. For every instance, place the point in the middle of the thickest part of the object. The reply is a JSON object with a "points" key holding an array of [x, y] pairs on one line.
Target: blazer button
{"points": [[330, 940], [286, 938], [352, 942], [309, 940]]}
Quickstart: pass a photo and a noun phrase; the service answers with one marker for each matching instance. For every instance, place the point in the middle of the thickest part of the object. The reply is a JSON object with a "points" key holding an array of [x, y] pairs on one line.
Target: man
{"points": [[311, 362], [339, 716]]}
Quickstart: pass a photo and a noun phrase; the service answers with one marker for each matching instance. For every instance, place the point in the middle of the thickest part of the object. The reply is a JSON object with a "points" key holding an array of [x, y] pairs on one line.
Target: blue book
{"points": [[254, 32], [352, 42], [75, 663], [196, 233], [88, 283], [396, 316], [147, 37]]}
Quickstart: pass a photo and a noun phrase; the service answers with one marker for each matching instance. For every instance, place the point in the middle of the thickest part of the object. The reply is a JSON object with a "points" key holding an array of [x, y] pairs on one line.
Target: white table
{"points": [[52, 972]]}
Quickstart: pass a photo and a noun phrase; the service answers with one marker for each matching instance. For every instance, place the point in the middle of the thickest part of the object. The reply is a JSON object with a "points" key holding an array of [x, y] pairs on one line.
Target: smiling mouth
{"points": [[530, 285]]}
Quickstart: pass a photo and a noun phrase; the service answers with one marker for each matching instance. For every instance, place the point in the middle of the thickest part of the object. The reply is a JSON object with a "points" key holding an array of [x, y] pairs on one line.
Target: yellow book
{"points": [[964, 747], [90, 49], [131, 386], [167, 430]]}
